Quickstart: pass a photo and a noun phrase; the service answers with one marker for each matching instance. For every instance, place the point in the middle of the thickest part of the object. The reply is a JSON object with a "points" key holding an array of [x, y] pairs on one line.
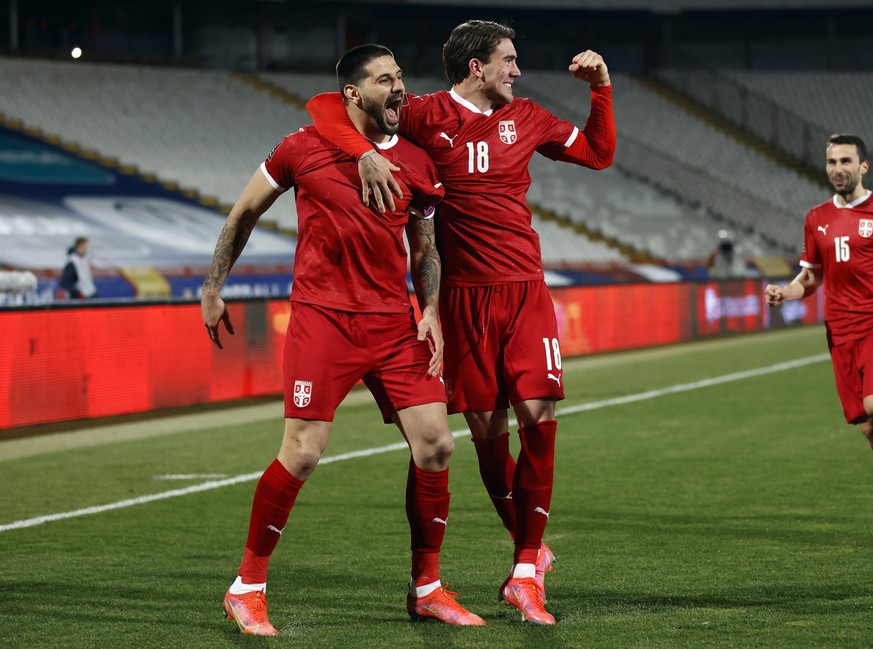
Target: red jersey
{"points": [[349, 257], [839, 241], [484, 223]]}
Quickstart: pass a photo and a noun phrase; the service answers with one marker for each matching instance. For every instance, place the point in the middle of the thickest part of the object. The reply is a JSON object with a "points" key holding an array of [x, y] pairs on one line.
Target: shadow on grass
{"points": [[775, 527], [792, 598]]}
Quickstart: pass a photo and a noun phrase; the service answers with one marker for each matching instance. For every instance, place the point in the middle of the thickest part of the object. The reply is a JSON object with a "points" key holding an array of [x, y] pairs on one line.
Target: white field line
{"points": [[189, 476], [247, 477]]}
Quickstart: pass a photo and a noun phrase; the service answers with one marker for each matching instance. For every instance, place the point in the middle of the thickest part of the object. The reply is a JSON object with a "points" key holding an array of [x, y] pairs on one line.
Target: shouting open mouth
{"points": [[392, 108]]}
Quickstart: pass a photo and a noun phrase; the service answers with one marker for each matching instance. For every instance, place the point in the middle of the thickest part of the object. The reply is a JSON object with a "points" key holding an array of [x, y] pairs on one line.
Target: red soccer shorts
{"points": [[501, 345], [853, 371], [327, 352]]}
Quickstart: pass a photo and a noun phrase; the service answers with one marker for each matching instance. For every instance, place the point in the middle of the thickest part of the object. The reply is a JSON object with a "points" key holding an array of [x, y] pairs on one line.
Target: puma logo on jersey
{"points": [[556, 379], [450, 139], [824, 229], [540, 510], [439, 520], [275, 529]]}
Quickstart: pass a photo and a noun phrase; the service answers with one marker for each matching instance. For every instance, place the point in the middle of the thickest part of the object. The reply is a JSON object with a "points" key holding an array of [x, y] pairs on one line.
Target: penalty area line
{"points": [[570, 410]]}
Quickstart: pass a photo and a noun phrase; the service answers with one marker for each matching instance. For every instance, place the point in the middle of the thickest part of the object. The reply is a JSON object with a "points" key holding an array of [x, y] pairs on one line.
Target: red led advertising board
{"points": [[97, 360]]}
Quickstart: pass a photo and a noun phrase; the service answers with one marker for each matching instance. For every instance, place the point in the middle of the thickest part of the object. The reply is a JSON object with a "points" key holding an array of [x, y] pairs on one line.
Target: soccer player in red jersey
{"points": [[501, 337], [838, 252], [351, 319]]}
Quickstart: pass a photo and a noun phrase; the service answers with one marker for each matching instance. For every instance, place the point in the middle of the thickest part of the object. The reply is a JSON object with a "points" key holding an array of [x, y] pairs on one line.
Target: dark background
{"points": [[635, 35]]}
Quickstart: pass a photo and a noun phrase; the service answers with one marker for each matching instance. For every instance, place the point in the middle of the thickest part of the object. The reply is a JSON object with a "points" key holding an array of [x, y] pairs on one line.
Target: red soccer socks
{"points": [[497, 468], [532, 488], [427, 509], [274, 497]]}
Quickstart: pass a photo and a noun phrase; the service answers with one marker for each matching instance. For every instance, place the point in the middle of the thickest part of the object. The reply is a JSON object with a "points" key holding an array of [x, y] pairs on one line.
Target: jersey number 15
{"points": [[842, 248]]}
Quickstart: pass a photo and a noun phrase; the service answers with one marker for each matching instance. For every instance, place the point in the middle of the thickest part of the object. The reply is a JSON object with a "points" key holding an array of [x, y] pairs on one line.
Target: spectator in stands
{"points": [[725, 262], [838, 252], [77, 279], [501, 333], [351, 319]]}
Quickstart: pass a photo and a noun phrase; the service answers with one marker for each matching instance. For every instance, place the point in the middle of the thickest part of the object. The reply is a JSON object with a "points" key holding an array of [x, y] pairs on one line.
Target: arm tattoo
{"points": [[428, 271], [426, 265], [231, 242]]}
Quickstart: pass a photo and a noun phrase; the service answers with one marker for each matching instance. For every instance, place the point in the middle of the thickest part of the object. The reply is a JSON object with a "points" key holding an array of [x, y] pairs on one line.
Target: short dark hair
{"points": [[845, 138], [78, 242], [350, 67], [474, 39]]}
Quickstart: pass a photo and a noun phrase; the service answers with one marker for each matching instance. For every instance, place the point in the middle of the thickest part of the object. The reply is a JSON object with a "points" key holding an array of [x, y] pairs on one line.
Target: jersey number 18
{"points": [[477, 158]]}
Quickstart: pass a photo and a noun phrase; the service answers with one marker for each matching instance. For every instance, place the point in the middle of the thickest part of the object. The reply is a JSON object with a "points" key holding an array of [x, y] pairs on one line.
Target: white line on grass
{"points": [[247, 477], [696, 385], [189, 476]]}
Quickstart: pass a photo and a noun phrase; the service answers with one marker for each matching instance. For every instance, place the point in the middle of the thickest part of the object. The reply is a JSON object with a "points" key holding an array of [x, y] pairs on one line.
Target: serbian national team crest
{"points": [[865, 228], [506, 128], [302, 393]]}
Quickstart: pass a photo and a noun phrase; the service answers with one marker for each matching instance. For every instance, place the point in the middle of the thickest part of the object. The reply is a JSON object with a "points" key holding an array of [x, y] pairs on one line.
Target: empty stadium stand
{"points": [[792, 111], [205, 131], [678, 178], [683, 153]]}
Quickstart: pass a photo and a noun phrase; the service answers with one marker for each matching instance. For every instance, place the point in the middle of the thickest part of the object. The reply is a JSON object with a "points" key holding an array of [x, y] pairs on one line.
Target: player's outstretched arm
{"points": [[594, 147], [425, 269], [805, 284], [256, 198], [329, 116]]}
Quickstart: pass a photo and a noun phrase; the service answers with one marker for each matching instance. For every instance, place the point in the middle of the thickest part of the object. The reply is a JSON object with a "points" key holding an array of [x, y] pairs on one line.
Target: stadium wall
{"points": [[97, 360]]}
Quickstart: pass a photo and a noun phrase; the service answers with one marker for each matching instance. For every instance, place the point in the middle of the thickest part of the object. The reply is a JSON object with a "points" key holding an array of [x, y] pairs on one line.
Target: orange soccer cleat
{"points": [[523, 594], [441, 605], [545, 559], [249, 611]]}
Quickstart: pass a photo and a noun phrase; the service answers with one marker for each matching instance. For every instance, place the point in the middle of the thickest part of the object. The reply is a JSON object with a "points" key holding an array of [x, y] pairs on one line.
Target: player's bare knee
{"points": [[308, 460], [300, 462], [440, 443], [300, 455], [535, 411], [443, 447], [487, 423], [432, 448]]}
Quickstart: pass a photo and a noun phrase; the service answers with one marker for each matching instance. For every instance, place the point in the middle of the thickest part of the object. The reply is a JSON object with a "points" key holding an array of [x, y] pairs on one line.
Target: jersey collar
{"points": [[387, 144], [466, 104], [854, 203]]}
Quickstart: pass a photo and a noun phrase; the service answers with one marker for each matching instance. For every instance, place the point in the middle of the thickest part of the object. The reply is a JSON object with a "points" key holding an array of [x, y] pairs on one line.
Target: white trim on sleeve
{"points": [[572, 137], [806, 264], [270, 180]]}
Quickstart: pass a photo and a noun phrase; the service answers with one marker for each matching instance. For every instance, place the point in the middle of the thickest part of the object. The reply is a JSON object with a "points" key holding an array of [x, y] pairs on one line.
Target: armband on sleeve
{"points": [[329, 116]]}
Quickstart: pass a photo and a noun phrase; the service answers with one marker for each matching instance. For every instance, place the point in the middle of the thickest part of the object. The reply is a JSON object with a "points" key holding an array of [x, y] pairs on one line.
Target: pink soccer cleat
{"points": [[441, 605], [249, 611], [545, 559], [523, 594]]}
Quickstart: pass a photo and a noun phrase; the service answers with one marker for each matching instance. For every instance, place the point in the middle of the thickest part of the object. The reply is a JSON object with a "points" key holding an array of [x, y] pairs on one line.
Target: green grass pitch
{"points": [[732, 511]]}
